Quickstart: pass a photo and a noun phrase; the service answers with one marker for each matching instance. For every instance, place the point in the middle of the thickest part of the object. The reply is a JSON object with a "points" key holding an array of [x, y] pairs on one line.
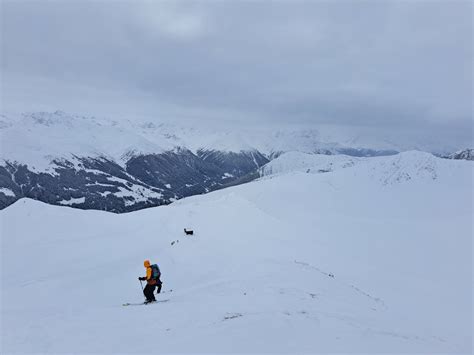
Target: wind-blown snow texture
{"points": [[375, 257]]}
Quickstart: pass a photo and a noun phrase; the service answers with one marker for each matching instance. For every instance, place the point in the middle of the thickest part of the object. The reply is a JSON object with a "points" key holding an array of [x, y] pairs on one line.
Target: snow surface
{"points": [[73, 201], [308, 163], [7, 192], [68, 136], [136, 193], [385, 170], [361, 260]]}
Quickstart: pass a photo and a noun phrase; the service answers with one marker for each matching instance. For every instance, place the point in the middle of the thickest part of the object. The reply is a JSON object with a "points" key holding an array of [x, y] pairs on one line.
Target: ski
{"points": [[143, 303]]}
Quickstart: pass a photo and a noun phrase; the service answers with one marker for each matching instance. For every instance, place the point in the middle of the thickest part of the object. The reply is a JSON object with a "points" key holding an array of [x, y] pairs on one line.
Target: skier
{"points": [[152, 279]]}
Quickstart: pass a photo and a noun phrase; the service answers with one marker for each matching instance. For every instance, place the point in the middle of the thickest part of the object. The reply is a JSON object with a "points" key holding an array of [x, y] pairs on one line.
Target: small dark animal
{"points": [[188, 232]]}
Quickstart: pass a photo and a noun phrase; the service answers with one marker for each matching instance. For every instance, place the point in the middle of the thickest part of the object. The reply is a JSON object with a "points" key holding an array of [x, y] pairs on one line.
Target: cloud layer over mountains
{"points": [[385, 66]]}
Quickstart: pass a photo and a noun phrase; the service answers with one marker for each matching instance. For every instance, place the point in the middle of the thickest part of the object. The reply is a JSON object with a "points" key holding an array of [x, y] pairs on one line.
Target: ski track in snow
{"points": [[377, 300]]}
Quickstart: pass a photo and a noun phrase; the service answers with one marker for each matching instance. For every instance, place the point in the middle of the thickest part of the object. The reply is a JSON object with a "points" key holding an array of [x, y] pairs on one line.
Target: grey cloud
{"points": [[367, 63]]}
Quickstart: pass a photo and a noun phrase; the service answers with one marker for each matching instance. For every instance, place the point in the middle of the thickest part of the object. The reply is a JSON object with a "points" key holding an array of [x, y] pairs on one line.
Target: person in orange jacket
{"points": [[152, 279]]}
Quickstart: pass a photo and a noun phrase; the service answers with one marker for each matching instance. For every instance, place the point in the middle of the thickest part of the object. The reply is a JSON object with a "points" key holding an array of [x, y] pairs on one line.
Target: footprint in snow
{"points": [[232, 316]]}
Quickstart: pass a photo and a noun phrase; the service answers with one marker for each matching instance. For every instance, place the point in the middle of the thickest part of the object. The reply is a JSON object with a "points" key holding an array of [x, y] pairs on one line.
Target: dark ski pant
{"points": [[148, 292], [149, 289]]}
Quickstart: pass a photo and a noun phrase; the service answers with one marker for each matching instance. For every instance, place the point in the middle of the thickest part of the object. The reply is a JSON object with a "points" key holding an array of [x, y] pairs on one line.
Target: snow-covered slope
{"points": [[96, 163], [309, 163], [129, 164], [295, 263], [36, 139], [386, 170]]}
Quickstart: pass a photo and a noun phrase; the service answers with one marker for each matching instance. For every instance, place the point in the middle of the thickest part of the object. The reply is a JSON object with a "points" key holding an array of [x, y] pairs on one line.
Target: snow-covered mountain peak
{"points": [[408, 166], [48, 118], [465, 154], [36, 138]]}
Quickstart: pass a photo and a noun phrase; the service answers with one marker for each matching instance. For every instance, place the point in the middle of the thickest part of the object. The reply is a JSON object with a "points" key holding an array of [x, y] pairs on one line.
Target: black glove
{"points": [[142, 278]]}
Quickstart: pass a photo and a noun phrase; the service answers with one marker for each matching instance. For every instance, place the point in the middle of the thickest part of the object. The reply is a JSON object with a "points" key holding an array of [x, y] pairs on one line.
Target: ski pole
{"points": [[142, 288]]}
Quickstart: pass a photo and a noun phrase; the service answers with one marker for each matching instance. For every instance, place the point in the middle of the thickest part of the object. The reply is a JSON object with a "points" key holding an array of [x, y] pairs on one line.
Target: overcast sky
{"points": [[400, 64]]}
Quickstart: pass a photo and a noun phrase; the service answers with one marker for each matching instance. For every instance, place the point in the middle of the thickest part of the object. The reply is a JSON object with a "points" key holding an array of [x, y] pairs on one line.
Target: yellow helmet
{"points": [[146, 263]]}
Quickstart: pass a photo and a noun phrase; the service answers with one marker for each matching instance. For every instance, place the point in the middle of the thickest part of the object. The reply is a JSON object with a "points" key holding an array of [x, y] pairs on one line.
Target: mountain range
{"points": [[120, 166]]}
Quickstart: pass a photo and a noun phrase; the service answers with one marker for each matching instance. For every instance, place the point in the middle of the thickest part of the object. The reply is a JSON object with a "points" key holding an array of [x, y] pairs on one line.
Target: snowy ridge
{"points": [[308, 163], [465, 154], [343, 265], [400, 168], [36, 139], [407, 166], [24, 138], [125, 165]]}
